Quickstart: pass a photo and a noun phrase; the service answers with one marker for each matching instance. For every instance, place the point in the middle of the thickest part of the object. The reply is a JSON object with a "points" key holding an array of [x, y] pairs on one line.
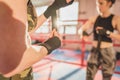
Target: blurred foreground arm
{"points": [[16, 51]]}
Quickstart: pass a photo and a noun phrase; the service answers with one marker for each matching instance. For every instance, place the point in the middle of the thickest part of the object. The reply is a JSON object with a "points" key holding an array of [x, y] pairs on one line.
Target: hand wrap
{"points": [[103, 32], [51, 44], [85, 33], [57, 4]]}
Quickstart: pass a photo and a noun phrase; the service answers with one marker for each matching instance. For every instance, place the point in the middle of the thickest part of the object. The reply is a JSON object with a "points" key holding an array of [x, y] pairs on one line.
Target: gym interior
{"points": [[69, 61]]}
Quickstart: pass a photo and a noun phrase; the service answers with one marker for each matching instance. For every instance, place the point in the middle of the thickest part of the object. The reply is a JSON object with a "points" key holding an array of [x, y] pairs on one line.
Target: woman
{"points": [[102, 53]]}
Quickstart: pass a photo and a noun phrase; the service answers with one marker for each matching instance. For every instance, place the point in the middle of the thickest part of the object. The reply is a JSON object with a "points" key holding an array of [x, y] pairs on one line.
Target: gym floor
{"points": [[64, 64]]}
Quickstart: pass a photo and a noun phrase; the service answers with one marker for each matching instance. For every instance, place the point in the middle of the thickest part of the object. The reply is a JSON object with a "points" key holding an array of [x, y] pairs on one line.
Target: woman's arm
{"points": [[117, 26], [87, 25], [57, 4]]}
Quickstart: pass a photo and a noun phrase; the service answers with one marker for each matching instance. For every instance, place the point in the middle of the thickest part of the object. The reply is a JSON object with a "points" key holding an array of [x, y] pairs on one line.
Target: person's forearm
{"points": [[52, 8], [32, 55], [115, 36], [41, 19]]}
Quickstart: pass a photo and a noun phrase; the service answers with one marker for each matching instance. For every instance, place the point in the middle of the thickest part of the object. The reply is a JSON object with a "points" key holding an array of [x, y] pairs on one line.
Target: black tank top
{"points": [[105, 23]]}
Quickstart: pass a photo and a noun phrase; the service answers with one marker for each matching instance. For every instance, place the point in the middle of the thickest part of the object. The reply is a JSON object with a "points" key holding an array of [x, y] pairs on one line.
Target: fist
{"points": [[102, 31]]}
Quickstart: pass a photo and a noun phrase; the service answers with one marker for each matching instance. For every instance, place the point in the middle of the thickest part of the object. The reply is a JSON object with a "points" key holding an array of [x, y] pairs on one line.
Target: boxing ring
{"points": [[81, 42]]}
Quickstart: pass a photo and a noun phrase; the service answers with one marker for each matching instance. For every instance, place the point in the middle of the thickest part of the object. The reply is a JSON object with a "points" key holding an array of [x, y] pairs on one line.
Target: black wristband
{"points": [[85, 33], [101, 32], [49, 11], [51, 44], [57, 4], [104, 32]]}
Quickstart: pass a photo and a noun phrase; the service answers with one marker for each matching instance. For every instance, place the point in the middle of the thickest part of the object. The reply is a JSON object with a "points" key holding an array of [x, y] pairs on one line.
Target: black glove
{"points": [[61, 3], [103, 32], [51, 44], [57, 4], [85, 33]]}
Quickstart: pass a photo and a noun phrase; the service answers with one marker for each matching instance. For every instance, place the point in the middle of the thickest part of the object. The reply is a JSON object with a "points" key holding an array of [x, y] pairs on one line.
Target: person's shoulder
{"points": [[116, 20], [116, 17], [93, 18]]}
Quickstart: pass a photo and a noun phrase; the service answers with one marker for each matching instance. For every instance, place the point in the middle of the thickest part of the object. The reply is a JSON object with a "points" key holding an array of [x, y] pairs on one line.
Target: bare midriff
{"points": [[103, 44]]}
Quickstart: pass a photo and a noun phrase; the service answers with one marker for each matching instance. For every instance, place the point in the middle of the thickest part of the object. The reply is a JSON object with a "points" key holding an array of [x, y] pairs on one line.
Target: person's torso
{"points": [[105, 23]]}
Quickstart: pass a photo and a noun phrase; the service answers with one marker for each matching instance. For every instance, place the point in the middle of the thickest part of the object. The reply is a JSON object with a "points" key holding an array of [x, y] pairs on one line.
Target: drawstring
{"points": [[99, 43]]}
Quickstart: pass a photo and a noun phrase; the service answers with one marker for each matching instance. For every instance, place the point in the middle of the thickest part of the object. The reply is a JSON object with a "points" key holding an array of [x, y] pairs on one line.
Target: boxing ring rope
{"points": [[82, 42]]}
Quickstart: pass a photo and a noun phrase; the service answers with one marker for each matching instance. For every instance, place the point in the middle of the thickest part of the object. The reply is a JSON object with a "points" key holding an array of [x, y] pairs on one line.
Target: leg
{"points": [[3, 78], [108, 64], [25, 75], [92, 65]]}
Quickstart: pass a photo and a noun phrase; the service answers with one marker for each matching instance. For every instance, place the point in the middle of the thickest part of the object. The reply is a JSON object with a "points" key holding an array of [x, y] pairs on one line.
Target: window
{"points": [[67, 19]]}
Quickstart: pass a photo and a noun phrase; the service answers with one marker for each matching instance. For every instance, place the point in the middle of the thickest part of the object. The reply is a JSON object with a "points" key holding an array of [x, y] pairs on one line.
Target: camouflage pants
{"points": [[25, 75], [106, 58]]}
